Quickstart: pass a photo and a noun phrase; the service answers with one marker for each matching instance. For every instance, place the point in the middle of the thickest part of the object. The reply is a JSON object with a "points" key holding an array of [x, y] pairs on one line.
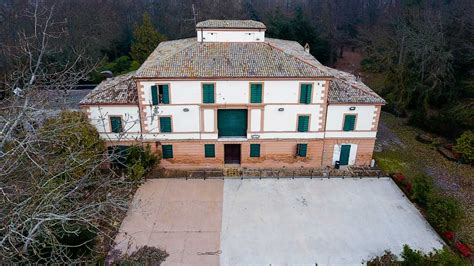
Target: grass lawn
{"points": [[411, 157]]}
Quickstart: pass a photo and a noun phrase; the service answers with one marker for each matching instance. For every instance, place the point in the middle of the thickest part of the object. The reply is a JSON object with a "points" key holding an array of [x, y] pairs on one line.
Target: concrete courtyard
{"points": [[286, 221]]}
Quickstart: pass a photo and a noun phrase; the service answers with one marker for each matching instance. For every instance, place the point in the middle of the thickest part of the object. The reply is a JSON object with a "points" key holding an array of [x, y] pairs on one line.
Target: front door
{"points": [[232, 153], [345, 152]]}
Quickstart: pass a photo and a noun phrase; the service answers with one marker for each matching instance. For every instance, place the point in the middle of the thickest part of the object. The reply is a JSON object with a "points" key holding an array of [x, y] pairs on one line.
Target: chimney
{"points": [[306, 47]]}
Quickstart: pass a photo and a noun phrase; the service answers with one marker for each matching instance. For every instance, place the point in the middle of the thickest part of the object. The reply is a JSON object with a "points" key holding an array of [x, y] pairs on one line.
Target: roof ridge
{"points": [[297, 57]]}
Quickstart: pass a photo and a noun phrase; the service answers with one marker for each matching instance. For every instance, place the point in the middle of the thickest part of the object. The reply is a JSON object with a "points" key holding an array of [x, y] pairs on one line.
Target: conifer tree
{"points": [[145, 39]]}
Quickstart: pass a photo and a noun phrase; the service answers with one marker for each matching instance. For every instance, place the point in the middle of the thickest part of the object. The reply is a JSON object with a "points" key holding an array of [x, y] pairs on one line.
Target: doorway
{"points": [[345, 153], [232, 153]]}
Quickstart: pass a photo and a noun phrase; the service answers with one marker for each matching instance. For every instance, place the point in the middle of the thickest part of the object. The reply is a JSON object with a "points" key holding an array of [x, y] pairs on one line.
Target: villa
{"points": [[233, 97]]}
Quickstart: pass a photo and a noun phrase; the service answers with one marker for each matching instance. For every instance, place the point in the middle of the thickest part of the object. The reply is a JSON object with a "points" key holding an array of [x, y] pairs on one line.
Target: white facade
{"points": [[99, 117], [215, 35], [275, 117]]}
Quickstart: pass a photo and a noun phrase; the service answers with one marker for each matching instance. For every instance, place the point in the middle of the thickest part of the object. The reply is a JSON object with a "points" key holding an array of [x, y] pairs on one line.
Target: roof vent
{"points": [[306, 47], [107, 73]]}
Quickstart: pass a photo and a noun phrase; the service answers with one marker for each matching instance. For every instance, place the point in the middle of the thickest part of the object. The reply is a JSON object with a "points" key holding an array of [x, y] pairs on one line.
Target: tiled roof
{"points": [[347, 88], [191, 59], [117, 90], [344, 88], [231, 24], [188, 58]]}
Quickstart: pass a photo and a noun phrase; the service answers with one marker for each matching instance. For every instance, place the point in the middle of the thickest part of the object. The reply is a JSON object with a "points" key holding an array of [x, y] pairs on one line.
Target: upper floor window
{"points": [[208, 92], [306, 92], [349, 122], [160, 94], [303, 123], [116, 124], [165, 124], [256, 92]]}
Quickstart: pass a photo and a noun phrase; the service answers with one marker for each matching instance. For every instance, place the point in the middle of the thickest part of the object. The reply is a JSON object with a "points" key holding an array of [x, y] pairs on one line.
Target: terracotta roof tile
{"points": [[118, 90], [192, 59]]}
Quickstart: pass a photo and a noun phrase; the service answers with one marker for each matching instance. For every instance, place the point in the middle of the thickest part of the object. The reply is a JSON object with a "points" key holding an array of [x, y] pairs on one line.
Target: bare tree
{"points": [[59, 203]]}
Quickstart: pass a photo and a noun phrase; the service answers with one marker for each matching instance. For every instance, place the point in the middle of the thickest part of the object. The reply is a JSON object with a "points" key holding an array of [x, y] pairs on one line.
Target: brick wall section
{"points": [[190, 154], [365, 149]]}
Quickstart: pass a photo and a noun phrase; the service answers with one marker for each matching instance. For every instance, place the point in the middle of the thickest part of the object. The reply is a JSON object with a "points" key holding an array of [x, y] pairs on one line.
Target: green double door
{"points": [[232, 123], [344, 156]]}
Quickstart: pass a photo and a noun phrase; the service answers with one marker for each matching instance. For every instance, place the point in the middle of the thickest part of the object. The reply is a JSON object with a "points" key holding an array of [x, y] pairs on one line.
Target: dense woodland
{"points": [[423, 49]]}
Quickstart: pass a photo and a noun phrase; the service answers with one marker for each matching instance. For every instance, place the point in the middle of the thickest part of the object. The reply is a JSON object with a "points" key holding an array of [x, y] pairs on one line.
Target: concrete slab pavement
{"points": [[180, 216], [269, 221], [323, 221]]}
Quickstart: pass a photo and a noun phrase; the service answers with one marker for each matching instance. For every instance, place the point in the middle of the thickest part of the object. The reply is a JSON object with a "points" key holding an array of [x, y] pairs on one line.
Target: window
{"points": [[209, 150], [208, 93], [116, 124], [306, 93], [303, 123], [256, 93], [349, 122], [301, 150], [165, 124], [118, 156], [160, 94], [254, 150], [167, 151]]}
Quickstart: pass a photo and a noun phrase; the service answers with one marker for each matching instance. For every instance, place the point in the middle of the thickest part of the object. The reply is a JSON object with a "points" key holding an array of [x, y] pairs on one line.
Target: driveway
{"points": [[269, 221]]}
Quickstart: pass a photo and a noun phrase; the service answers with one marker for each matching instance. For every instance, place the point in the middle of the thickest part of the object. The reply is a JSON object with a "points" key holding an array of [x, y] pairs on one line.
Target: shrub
{"points": [[465, 146], [422, 189], [410, 257], [144, 256], [444, 213], [139, 161]]}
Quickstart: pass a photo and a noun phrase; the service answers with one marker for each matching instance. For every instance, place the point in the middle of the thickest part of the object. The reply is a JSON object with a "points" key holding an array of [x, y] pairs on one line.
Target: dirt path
{"points": [[398, 150]]}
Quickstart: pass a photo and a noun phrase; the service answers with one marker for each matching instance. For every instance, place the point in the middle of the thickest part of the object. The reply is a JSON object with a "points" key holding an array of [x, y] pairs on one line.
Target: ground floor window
{"points": [[167, 151], [254, 150], [209, 150], [301, 150], [118, 156]]}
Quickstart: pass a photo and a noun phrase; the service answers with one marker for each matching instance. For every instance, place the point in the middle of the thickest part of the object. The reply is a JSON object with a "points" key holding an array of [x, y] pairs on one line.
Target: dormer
{"points": [[230, 31]]}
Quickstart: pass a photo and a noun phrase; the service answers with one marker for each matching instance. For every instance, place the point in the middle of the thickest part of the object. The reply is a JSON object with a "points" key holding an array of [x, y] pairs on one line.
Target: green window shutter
{"points": [[349, 122], [165, 124], [208, 93], [344, 156], [154, 94], [305, 93], [256, 93], [116, 124], [301, 150], [254, 150], [167, 151], [303, 123], [165, 96], [209, 150]]}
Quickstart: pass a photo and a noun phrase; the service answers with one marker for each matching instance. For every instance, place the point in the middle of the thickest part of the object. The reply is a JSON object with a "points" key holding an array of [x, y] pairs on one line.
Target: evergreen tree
{"points": [[145, 39]]}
